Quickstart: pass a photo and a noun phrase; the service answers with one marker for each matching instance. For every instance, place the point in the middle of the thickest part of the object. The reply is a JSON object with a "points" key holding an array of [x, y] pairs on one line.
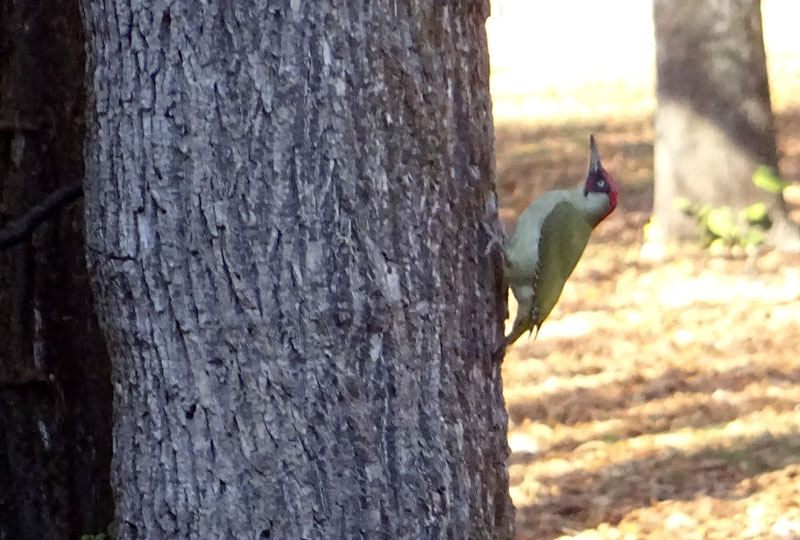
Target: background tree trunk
{"points": [[55, 391], [714, 123], [289, 220]]}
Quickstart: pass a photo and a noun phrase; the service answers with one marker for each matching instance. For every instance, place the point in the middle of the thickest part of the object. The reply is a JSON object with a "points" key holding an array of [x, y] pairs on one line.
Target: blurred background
{"points": [[662, 396]]}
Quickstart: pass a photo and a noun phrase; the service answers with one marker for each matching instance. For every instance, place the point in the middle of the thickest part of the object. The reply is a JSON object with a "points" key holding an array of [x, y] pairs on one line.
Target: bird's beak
{"points": [[594, 160]]}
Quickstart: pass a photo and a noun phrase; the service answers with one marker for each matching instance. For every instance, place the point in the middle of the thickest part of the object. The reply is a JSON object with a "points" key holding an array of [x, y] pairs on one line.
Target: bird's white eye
{"points": [[601, 184]]}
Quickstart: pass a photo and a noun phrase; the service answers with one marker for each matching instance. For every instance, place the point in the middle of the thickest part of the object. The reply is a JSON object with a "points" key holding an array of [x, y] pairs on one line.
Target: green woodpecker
{"points": [[548, 241]]}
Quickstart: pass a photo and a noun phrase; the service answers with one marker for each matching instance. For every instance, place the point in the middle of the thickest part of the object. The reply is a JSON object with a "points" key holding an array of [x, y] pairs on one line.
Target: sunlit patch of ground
{"points": [[661, 399]]}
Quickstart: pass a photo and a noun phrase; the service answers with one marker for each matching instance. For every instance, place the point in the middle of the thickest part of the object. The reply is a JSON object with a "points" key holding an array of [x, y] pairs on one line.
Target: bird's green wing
{"points": [[565, 232]]}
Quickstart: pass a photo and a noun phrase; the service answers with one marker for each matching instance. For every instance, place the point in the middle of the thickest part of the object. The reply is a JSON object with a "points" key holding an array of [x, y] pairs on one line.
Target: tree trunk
{"points": [[290, 213], [55, 391], [714, 123]]}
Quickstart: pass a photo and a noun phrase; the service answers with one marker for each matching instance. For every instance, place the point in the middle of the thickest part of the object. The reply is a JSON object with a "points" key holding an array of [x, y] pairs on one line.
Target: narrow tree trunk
{"points": [[714, 123], [55, 391], [289, 212]]}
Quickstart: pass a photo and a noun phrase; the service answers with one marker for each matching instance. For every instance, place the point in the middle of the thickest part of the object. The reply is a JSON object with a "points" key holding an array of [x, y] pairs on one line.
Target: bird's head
{"points": [[598, 180]]}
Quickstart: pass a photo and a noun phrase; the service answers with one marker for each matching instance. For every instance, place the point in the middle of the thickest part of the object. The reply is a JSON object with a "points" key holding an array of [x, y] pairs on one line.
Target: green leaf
{"points": [[718, 245], [720, 221], [767, 180], [755, 237], [755, 213], [652, 230], [684, 205]]}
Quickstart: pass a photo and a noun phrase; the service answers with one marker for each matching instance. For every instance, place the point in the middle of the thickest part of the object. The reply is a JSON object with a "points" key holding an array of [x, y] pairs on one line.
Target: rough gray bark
{"points": [[289, 209], [714, 123], [55, 391]]}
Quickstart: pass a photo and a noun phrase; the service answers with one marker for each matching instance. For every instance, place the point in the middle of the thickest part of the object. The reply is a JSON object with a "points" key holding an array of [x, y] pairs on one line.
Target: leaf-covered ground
{"points": [[662, 397]]}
